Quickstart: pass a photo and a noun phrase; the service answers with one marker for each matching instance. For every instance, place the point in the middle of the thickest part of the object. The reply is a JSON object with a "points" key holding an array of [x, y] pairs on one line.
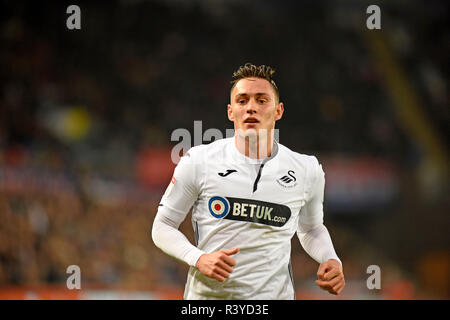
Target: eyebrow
{"points": [[256, 94]]}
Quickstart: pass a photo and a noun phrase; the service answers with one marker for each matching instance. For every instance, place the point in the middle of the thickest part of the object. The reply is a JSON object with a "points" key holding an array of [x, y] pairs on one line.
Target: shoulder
{"points": [[192, 164], [313, 173], [212, 147], [202, 152], [309, 162]]}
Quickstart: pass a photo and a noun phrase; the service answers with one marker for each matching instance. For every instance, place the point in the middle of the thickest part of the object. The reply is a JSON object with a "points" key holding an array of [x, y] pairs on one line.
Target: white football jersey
{"points": [[253, 205]]}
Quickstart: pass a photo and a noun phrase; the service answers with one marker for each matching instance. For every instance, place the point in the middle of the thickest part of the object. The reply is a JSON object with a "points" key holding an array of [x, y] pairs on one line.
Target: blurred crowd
{"points": [[93, 102], [42, 234]]}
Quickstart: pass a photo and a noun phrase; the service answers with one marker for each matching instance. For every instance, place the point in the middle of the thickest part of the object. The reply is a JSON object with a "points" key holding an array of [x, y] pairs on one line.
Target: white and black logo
{"points": [[289, 180], [224, 174]]}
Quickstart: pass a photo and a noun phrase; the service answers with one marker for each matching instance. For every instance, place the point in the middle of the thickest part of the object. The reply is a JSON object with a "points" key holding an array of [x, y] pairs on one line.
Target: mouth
{"points": [[251, 120]]}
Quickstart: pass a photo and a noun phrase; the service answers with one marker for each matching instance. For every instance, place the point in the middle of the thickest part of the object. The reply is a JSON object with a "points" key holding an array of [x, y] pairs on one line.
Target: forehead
{"points": [[252, 86]]}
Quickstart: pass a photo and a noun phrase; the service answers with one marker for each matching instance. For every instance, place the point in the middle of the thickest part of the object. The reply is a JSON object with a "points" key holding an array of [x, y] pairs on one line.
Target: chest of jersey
{"points": [[270, 194]]}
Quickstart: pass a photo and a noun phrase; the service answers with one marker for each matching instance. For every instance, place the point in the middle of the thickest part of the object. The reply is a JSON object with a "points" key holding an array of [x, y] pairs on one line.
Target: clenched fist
{"points": [[217, 265], [331, 277]]}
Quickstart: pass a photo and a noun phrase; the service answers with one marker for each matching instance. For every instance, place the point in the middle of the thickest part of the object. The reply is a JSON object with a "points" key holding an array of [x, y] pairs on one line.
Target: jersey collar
{"points": [[244, 159]]}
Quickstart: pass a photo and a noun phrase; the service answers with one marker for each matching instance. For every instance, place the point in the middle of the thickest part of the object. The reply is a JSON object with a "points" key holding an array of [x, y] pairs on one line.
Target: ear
{"points": [[230, 113], [279, 111]]}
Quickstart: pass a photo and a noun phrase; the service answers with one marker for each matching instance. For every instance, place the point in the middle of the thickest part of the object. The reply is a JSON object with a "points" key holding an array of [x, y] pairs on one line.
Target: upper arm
{"points": [[311, 214], [183, 190]]}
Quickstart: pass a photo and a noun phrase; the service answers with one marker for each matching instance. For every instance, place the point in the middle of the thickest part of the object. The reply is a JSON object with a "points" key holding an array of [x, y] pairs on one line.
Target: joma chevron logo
{"points": [[229, 171]]}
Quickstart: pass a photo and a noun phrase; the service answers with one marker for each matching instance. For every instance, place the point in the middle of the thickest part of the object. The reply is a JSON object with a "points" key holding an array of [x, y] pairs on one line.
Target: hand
{"points": [[331, 277], [217, 265]]}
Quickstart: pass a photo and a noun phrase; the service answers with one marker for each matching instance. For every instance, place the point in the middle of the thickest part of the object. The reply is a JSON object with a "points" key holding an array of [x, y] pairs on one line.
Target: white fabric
{"points": [[317, 243], [166, 235], [262, 270]]}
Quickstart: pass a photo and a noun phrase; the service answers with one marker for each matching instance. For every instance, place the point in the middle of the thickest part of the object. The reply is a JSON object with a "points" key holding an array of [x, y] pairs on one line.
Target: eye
{"points": [[262, 101], [241, 101]]}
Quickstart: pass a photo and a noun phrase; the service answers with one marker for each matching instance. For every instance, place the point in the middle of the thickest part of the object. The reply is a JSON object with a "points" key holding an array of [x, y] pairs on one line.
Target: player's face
{"points": [[254, 105]]}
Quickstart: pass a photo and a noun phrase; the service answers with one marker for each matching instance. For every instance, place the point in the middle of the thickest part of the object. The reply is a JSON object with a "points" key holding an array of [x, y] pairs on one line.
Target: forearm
{"points": [[168, 238], [316, 241]]}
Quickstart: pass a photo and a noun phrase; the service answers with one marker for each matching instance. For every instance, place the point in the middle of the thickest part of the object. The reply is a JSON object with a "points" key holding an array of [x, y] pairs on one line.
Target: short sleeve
{"points": [[311, 213], [184, 188]]}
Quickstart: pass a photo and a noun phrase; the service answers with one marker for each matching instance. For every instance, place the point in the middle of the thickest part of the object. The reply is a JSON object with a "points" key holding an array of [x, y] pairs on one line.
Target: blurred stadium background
{"points": [[86, 118]]}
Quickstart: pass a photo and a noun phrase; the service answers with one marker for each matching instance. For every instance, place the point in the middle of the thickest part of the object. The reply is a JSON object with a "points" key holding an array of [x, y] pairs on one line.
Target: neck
{"points": [[258, 146]]}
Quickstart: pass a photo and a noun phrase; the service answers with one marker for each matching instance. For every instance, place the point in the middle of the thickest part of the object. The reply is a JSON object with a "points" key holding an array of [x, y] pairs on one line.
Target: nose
{"points": [[251, 107]]}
